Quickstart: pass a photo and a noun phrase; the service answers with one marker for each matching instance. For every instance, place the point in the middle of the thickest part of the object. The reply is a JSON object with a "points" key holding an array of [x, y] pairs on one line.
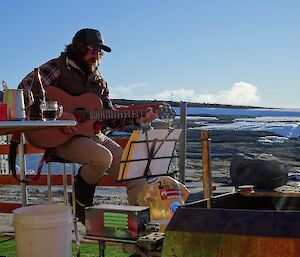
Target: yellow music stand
{"points": [[148, 153]]}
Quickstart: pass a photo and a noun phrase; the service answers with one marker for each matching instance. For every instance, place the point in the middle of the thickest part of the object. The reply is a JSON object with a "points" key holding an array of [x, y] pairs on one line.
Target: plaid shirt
{"points": [[50, 74]]}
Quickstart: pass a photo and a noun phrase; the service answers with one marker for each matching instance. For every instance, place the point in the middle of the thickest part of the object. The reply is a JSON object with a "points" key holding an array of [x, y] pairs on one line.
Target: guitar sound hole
{"points": [[81, 115]]}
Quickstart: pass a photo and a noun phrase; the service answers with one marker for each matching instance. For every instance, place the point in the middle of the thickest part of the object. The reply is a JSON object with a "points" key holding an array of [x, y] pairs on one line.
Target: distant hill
{"points": [[177, 104]]}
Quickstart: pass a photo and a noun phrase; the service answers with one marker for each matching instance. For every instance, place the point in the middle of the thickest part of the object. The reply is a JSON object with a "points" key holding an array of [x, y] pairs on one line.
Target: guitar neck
{"points": [[115, 114]]}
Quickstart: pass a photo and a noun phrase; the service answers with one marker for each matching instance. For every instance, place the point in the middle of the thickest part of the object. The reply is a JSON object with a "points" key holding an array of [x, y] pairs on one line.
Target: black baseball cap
{"points": [[90, 36]]}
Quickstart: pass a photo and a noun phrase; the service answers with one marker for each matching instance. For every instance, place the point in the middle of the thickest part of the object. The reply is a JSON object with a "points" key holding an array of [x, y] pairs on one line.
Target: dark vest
{"points": [[74, 82]]}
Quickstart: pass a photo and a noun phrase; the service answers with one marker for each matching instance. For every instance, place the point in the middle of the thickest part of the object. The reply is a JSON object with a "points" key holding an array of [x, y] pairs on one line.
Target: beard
{"points": [[89, 66]]}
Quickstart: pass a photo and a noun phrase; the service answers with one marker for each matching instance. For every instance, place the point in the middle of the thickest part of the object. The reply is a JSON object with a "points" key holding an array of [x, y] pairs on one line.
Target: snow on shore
{"points": [[282, 122]]}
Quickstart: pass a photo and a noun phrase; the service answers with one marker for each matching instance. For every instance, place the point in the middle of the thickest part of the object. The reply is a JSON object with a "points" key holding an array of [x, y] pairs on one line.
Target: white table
{"points": [[13, 126]]}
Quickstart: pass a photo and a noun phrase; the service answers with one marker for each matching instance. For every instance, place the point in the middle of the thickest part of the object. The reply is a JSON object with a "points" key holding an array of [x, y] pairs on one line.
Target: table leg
{"points": [[101, 248], [75, 219], [22, 163]]}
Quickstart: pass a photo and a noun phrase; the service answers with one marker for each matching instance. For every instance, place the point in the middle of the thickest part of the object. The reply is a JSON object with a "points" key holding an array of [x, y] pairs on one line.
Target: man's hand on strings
{"points": [[149, 117]]}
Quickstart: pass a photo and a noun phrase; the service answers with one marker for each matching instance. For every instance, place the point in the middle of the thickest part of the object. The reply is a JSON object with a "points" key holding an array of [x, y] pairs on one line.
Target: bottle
{"points": [[38, 93], [163, 195]]}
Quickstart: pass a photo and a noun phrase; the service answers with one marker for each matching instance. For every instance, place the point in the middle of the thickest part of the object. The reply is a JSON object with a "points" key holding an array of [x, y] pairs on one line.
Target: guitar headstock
{"points": [[165, 112]]}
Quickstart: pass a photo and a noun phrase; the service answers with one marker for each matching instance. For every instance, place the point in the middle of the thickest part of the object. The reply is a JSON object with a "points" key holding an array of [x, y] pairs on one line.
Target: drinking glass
{"points": [[50, 110]]}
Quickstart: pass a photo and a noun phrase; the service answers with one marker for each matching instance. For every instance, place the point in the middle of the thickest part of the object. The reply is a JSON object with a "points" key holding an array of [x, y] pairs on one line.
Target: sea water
{"points": [[281, 123]]}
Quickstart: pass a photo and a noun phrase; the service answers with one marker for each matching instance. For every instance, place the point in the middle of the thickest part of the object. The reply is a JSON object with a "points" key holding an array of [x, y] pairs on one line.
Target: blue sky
{"points": [[233, 51]]}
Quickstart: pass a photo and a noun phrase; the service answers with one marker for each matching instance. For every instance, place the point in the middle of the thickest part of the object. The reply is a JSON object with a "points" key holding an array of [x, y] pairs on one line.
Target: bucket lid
{"points": [[42, 215]]}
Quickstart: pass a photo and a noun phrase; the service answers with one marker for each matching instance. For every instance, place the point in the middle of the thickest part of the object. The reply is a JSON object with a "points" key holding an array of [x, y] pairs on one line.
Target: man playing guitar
{"points": [[75, 73]]}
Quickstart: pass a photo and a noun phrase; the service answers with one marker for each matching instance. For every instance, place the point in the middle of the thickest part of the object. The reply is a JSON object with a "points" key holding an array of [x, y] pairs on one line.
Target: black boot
{"points": [[84, 194]]}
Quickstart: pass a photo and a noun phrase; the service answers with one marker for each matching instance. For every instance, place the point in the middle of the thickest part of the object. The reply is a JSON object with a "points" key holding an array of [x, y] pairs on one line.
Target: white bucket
{"points": [[43, 231]]}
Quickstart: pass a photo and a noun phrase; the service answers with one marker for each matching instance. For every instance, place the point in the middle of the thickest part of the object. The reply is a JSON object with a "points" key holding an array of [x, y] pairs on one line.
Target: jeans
{"points": [[98, 155]]}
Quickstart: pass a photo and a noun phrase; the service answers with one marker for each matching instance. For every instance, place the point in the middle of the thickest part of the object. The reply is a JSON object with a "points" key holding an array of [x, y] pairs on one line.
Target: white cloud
{"points": [[126, 91], [241, 93]]}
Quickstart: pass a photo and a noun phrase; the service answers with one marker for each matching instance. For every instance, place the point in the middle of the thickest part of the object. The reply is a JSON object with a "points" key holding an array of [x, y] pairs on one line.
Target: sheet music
{"points": [[135, 159]]}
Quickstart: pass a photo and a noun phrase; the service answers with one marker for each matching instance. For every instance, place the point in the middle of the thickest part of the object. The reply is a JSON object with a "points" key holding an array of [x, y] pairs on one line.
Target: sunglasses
{"points": [[95, 51]]}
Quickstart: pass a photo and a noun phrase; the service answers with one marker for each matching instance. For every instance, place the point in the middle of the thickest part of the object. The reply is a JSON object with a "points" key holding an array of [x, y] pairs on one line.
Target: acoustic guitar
{"points": [[88, 111]]}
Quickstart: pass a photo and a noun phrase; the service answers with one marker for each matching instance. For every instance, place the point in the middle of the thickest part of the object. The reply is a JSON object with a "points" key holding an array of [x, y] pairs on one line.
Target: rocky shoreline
{"points": [[225, 145]]}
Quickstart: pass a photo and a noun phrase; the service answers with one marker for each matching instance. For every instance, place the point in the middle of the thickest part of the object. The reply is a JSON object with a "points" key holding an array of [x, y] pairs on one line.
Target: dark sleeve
{"points": [[107, 103]]}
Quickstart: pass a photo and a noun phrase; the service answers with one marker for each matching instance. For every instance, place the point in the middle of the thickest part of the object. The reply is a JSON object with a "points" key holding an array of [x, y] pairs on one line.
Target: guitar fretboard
{"points": [[115, 114]]}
